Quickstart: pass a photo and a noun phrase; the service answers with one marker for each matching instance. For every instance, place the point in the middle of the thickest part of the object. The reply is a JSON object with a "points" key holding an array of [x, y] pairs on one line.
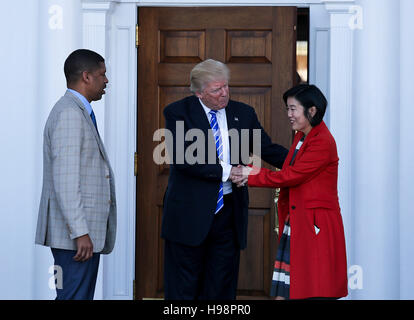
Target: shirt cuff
{"points": [[226, 171]]}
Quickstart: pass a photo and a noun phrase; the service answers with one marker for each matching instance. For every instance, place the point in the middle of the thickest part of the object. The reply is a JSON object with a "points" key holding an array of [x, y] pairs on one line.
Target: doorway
{"points": [[259, 46], [302, 46]]}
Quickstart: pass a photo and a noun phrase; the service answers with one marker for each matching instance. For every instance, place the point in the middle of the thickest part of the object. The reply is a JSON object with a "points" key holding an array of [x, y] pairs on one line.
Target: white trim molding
{"points": [[109, 28], [340, 100], [219, 3]]}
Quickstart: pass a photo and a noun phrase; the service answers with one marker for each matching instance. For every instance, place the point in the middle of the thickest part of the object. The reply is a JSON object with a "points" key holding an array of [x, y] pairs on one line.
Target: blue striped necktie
{"points": [[219, 147]]}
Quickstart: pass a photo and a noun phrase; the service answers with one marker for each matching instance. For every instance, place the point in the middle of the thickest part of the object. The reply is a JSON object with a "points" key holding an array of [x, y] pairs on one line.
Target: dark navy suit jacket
{"points": [[191, 196]]}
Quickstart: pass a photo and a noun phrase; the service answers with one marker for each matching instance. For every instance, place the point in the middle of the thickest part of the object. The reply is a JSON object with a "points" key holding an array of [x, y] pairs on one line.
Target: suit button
{"points": [[108, 176], [293, 207], [109, 202]]}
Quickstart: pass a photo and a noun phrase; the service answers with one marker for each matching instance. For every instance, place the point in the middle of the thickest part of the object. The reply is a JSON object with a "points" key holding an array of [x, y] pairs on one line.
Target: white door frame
{"points": [[109, 28]]}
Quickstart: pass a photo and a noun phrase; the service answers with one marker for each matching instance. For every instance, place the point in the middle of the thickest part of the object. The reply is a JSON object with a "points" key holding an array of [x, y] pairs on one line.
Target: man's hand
{"points": [[240, 175], [85, 248]]}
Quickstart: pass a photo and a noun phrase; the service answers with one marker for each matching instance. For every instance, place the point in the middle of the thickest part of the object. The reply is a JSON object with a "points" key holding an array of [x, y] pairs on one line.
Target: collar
{"points": [[207, 109], [85, 102]]}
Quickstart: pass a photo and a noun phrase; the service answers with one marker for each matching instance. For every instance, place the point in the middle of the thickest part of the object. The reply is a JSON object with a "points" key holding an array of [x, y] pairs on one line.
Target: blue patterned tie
{"points": [[219, 148]]}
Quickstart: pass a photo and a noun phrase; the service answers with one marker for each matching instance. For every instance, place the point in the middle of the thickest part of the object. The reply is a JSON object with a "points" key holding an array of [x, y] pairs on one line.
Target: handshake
{"points": [[240, 175]]}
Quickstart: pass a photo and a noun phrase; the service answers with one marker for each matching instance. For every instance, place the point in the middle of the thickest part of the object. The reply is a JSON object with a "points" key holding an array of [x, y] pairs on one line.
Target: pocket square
{"points": [[236, 119]]}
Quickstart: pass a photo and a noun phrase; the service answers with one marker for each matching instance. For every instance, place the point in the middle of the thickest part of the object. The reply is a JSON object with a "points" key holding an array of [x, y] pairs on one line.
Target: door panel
{"points": [[258, 45]]}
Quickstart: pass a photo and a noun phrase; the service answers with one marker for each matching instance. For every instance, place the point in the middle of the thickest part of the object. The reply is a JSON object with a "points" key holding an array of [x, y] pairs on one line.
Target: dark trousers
{"points": [[209, 271], [79, 278]]}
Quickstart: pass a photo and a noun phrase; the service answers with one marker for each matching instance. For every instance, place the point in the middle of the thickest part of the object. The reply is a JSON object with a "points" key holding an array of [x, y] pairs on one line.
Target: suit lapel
{"points": [[200, 121], [88, 119], [315, 131], [199, 116], [232, 118], [289, 157], [233, 123]]}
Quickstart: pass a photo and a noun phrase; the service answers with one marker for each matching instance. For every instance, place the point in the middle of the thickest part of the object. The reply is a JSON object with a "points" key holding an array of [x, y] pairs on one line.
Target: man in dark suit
{"points": [[205, 215]]}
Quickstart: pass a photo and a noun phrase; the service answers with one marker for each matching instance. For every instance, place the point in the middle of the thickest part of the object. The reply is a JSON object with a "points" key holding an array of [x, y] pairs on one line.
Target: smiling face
{"points": [[215, 95], [296, 115]]}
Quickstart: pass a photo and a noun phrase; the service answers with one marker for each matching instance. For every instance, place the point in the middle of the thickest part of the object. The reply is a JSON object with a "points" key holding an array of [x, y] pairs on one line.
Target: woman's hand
{"points": [[240, 175]]}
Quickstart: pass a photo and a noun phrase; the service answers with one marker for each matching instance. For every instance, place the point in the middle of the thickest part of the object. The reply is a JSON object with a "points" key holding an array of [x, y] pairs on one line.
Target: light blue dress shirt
{"points": [[85, 102]]}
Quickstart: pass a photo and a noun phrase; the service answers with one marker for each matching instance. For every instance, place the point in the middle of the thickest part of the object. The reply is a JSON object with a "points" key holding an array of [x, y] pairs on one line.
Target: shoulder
{"points": [[180, 106], [240, 107], [65, 110], [323, 137], [68, 106], [324, 132], [245, 113]]}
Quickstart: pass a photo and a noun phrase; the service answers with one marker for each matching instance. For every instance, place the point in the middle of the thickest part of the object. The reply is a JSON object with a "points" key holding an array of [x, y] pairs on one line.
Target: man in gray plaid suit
{"points": [[77, 214]]}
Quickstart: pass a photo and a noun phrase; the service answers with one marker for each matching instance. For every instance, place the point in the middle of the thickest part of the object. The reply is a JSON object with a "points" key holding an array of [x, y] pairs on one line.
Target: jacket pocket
{"points": [[314, 221]]}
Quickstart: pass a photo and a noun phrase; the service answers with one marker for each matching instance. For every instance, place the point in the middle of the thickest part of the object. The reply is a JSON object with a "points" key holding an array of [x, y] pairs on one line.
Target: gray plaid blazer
{"points": [[78, 195]]}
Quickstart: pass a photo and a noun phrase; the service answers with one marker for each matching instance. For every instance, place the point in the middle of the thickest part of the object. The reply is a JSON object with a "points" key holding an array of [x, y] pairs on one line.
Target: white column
{"points": [[375, 149], [319, 51], [19, 144], [95, 25], [95, 18], [340, 106], [406, 173], [59, 29], [109, 28]]}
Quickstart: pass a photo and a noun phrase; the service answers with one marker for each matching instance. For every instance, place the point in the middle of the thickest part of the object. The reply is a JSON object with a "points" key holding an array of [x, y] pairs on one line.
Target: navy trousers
{"points": [[209, 271], [79, 278]]}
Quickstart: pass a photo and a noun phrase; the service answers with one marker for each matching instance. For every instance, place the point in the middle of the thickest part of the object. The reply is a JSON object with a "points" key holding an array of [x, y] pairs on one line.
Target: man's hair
{"points": [[207, 71], [79, 61]]}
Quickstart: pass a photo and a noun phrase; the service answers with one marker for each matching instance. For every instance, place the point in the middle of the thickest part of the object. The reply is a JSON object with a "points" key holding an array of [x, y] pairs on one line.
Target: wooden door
{"points": [[258, 45]]}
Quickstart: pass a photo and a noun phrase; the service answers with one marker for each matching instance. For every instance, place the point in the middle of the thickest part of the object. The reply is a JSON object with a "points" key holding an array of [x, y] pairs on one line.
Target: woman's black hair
{"points": [[309, 96]]}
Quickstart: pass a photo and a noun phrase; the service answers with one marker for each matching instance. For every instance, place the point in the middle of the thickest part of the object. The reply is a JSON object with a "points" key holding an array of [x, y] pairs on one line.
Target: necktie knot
{"points": [[213, 114]]}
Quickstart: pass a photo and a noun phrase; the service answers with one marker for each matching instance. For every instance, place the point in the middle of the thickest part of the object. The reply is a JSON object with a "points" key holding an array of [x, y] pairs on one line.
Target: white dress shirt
{"points": [[225, 163]]}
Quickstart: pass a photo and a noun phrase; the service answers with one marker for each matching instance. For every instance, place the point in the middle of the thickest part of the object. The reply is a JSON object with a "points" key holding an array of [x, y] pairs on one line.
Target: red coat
{"points": [[309, 192]]}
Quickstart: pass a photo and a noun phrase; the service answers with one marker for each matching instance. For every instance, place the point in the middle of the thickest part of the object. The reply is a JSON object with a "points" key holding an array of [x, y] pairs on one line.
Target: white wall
{"points": [[406, 154], [37, 37], [376, 149], [19, 143]]}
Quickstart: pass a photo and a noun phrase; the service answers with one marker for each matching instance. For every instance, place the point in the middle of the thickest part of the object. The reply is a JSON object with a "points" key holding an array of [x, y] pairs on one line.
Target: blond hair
{"points": [[207, 71]]}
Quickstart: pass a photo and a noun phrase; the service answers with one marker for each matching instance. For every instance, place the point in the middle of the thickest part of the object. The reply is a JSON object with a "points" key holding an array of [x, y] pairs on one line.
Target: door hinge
{"points": [[136, 164], [137, 36]]}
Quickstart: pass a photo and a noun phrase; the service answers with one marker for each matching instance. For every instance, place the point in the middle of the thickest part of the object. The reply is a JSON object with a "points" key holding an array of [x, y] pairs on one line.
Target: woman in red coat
{"points": [[311, 257]]}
